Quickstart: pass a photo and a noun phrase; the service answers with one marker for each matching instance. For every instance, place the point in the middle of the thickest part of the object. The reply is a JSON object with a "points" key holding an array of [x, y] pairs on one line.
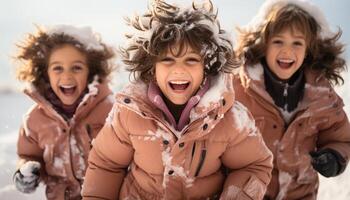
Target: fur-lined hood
{"points": [[259, 20]]}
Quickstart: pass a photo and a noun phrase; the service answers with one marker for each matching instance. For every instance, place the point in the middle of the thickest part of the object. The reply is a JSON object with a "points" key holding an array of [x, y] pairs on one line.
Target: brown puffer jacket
{"points": [[137, 155], [62, 146], [320, 122]]}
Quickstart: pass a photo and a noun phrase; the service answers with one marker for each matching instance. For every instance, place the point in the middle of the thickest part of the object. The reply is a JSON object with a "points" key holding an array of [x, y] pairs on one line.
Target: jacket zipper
{"points": [[202, 158], [285, 94], [193, 150]]}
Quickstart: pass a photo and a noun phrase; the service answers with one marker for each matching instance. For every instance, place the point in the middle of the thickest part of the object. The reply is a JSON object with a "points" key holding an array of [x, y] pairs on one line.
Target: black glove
{"points": [[326, 162], [26, 179]]}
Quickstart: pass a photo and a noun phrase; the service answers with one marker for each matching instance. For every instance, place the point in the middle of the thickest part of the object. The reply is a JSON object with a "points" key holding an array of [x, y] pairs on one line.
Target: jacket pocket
{"points": [[206, 157]]}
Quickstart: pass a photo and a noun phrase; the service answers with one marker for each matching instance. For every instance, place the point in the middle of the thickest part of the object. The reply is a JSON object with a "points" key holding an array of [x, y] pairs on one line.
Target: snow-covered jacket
{"points": [[320, 122], [62, 146], [138, 156]]}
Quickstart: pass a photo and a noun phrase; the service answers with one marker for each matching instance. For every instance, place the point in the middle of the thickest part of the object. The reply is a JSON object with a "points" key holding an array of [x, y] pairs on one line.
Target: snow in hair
{"points": [[84, 35], [260, 21], [165, 22]]}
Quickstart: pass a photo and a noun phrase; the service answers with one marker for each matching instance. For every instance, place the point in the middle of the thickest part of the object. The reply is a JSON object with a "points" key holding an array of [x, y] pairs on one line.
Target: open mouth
{"points": [[285, 63], [68, 89], [179, 85]]}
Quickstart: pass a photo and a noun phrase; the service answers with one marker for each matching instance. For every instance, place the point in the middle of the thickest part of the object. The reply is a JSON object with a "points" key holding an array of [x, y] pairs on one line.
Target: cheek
{"points": [[83, 80], [51, 78], [270, 56], [160, 75], [198, 76]]}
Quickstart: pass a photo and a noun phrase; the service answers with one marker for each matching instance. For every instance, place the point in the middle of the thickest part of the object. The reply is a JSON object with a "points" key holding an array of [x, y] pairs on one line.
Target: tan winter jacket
{"points": [[320, 122], [61, 146], [162, 166]]}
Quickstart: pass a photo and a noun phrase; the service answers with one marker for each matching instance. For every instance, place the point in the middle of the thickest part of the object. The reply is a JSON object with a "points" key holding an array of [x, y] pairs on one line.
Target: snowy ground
{"points": [[14, 105]]}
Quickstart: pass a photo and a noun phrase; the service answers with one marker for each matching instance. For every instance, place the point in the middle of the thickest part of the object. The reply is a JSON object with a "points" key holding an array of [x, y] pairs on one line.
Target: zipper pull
{"points": [[285, 94], [285, 91]]}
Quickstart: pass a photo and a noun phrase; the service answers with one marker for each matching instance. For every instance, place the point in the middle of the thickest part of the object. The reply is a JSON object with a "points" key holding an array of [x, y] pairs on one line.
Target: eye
{"points": [[57, 68], [298, 43], [277, 41], [192, 60], [77, 68], [166, 60]]}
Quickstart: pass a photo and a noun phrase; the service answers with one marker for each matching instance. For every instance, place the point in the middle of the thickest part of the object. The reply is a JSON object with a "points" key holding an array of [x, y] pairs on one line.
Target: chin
{"points": [[180, 102]]}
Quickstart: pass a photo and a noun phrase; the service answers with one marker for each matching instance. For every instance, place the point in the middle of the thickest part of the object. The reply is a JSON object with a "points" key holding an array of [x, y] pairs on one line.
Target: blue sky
{"points": [[17, 17]]}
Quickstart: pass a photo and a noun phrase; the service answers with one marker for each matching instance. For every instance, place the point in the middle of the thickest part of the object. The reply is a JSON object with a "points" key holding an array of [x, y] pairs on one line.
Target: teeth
{"points": [[67, 86], [179, 82], [285, 60]]}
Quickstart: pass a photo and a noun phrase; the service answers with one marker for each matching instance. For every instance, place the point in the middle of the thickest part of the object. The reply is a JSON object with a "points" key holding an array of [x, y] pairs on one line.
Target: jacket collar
{"points": [[154, 95], [215, 102], [316, 87], [285, 93], [96, 91]]}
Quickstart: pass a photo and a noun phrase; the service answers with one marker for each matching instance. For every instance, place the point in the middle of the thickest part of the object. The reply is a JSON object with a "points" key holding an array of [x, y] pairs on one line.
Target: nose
{"points": [[179, 69], [67, 75], [287, 50]]}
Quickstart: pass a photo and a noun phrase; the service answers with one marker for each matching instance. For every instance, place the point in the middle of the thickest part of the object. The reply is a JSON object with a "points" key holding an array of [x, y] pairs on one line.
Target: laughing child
{"points": [[291, 60], [67, 69], [177, 132]]}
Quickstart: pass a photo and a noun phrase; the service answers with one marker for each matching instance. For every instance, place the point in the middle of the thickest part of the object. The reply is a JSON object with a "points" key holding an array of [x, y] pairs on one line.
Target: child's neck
{"points": [[175, 109], [67, 111], [285, 93]]}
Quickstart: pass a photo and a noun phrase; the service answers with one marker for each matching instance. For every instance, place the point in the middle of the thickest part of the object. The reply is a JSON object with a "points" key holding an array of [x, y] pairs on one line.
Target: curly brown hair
{"points": [[165, 26], [35, 51], [323, 53]]}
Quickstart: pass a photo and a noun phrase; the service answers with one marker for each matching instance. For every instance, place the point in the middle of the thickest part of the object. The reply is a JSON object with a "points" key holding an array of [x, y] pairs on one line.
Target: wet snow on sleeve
{"points": [[243, 122]]}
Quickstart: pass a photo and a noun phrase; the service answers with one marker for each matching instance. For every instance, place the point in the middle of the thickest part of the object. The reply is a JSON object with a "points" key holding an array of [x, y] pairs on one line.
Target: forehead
{"points": [[297, 28], [179, 49], [67, 51], [291, 31]]}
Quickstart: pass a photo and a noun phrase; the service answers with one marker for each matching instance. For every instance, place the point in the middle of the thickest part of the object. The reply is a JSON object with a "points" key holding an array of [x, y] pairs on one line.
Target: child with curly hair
{"points": [[291, 62], [67, 70], [177, 132]]}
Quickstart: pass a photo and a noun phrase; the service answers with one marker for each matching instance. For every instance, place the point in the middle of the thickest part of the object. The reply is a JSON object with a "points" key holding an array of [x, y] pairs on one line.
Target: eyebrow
{"points": [[77, 61], [296, 36]]}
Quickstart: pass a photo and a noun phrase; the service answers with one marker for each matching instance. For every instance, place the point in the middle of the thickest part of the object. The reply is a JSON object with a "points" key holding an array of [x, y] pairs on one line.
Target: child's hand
{"points": [[27, 177], [325, 162]]}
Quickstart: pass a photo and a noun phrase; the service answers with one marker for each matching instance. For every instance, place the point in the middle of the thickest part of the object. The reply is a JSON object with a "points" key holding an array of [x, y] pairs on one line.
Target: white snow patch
{"points": [[58, 162], [75, 150], [111, 114], [287, 116], [260, 20], [160, 134], [28, 168], [84, 35], [242, 119], [284, 180], [317, 89], [92, 87], [178, 170], [255, 72], [214, 94]]}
